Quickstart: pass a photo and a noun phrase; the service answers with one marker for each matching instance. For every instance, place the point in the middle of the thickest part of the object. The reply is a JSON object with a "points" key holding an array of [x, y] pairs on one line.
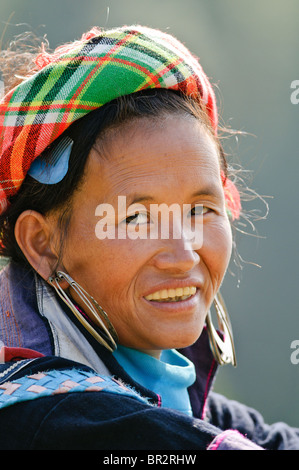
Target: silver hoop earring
{"points": [[107, 336], [222, 347]]}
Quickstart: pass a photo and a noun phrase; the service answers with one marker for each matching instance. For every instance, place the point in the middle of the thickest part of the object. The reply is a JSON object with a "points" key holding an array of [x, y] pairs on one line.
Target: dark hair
{"points": [[85, 132]]}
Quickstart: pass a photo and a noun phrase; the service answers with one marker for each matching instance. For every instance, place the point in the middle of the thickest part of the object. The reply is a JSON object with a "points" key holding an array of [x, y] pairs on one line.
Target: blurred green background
{"points": [[249, 48]]}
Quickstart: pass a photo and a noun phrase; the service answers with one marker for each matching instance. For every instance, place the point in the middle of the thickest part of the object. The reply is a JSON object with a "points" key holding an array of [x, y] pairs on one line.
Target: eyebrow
{"points": [[211, 190], [134, 199]]}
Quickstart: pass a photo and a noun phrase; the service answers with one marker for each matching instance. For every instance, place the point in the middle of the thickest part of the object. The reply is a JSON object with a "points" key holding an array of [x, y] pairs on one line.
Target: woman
{"points": [[116, 213]]}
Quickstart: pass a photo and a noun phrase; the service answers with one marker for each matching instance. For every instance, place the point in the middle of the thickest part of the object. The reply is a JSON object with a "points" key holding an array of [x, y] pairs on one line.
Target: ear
{"points": [[33, 234]]}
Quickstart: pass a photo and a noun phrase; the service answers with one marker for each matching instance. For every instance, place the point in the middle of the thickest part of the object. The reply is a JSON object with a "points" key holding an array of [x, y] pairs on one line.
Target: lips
{"points": [[172, 295], [174, 292]]}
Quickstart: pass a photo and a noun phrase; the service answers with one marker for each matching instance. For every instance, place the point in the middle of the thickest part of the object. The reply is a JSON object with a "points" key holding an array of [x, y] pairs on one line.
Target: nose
{"points": [[176, 256]]}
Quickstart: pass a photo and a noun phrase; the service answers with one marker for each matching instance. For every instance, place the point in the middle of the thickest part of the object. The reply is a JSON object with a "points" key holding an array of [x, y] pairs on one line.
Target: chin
{"points": [[183, 340]]}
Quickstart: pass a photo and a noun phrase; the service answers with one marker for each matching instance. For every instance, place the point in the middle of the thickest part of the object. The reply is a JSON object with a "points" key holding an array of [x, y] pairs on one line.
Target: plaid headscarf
{"points": [[82, 76]]}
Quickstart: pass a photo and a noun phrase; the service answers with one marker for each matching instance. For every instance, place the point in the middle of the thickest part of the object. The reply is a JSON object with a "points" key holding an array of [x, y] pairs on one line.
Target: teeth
{"points": [[172, 295]]}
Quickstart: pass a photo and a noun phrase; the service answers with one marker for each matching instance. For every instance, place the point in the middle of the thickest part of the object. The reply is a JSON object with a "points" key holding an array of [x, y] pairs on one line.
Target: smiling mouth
{"points": [[172, 295]]}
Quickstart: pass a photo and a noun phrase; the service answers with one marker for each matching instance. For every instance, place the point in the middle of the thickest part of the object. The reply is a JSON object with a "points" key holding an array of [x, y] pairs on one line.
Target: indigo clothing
{"points": [[61, 390]]}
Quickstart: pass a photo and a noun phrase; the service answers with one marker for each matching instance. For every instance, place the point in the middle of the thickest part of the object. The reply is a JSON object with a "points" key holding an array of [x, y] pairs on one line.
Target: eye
{"points": [[200, 210], [139, 218]]}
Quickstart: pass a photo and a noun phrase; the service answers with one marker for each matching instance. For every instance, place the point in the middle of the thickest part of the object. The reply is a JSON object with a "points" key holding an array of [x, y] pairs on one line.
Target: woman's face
{"points": [[171, 161]]}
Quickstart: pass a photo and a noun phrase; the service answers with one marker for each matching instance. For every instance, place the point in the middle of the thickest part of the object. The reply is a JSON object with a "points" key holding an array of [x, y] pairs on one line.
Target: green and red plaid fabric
{"points": [[82, 76]]}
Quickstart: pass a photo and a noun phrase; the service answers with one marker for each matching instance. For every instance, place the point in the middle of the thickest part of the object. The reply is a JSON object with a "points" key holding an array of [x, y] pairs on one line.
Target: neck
{"points": [[156, 353]]}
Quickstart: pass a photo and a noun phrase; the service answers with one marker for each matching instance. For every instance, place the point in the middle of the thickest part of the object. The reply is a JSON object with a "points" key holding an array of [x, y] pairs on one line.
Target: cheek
{"points": [[113, 270], [217, 248]]}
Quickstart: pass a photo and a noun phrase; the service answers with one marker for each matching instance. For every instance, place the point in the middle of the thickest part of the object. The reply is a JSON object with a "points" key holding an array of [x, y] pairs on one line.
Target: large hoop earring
{"points": [[106, 334], [222, 347]]}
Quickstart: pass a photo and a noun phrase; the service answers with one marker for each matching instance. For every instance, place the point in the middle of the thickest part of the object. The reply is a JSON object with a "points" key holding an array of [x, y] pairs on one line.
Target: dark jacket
{"points": [[50, 400]]}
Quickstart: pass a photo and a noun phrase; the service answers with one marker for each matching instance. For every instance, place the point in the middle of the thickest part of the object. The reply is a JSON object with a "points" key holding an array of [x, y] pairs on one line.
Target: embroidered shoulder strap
{"points": [[44, 384]]}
